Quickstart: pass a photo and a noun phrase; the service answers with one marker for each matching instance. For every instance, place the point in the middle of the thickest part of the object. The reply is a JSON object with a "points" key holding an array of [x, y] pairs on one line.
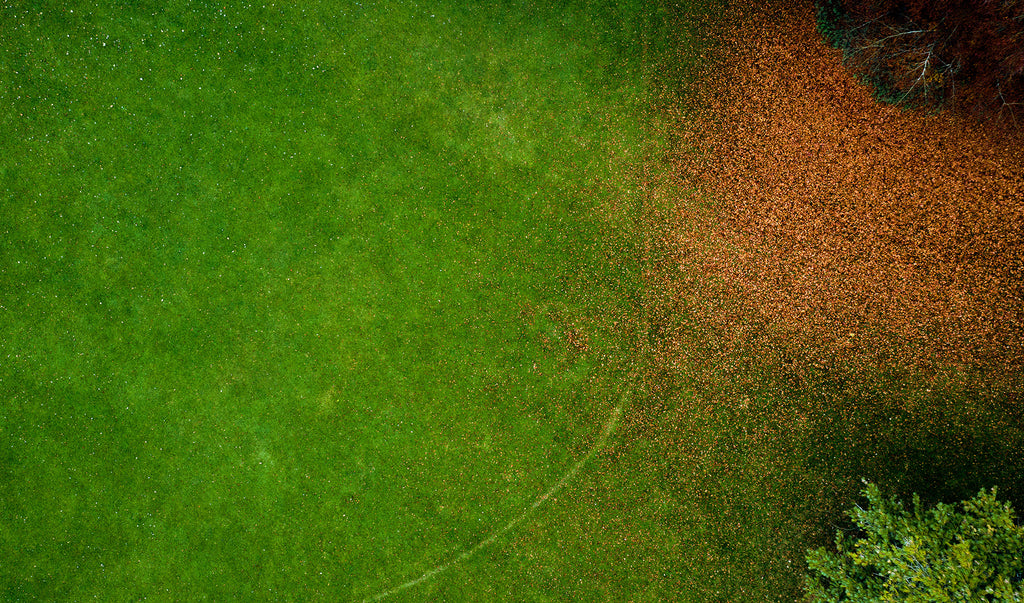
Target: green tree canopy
{"points": [[970, 551]]}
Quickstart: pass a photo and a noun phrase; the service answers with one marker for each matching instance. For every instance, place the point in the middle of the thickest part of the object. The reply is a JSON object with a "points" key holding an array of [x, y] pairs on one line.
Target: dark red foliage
{"points": [[926, 52]]}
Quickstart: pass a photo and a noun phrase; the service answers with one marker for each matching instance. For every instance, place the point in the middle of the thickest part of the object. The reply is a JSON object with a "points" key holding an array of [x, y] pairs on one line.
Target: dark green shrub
{"points": [[832, 23]]}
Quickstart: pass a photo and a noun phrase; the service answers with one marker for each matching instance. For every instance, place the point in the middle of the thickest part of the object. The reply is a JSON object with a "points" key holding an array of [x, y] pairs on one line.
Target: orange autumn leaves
{"points": [[847, 229]]}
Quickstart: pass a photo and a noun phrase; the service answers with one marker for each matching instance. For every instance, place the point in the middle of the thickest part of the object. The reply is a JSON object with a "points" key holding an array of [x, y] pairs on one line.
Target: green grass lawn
{"points": [[299, 303], [303, 303]]}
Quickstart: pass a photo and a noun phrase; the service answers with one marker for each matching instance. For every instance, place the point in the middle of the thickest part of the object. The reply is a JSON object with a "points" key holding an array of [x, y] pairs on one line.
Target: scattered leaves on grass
{"points": [[844, 229]]}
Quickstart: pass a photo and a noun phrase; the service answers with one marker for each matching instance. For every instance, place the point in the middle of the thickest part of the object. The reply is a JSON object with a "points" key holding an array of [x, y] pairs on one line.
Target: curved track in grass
{"points": [[599, 443]]}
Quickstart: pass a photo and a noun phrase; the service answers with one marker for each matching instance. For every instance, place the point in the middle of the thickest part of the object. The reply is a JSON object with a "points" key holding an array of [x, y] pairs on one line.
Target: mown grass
{"points": [[299, 302]]}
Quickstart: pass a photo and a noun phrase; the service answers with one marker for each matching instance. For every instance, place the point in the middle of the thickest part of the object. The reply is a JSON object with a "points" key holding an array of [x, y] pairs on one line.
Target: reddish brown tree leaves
{"points": [[964, 51], [846, 228]]}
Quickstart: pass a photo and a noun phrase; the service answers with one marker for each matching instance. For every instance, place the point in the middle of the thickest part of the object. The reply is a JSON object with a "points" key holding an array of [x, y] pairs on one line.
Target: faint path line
{"points": [[609, 427]]}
